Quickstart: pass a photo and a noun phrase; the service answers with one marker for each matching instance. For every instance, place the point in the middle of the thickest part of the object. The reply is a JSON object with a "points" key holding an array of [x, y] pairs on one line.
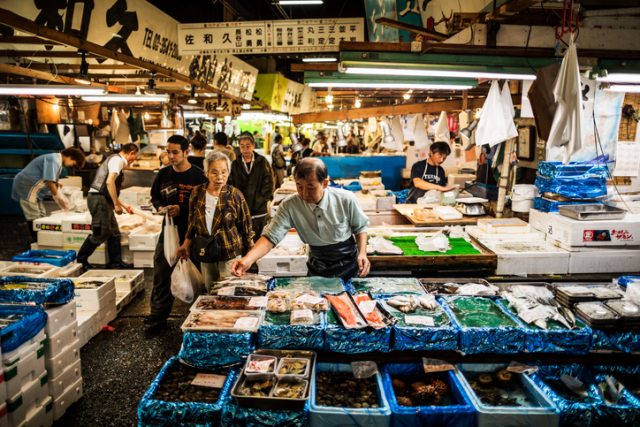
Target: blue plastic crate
{"points": [[323, 416], [341, 340], [459, 414], [310, 337], [215, 349], [238, 416], [59, 258], [499, 340], [31, 320], [155, 412], [20, 289]]}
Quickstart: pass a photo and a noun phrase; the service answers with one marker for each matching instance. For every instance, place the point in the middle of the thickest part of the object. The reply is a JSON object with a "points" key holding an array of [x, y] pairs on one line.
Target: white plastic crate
{"points": [[126, 280], [11, 357], [77, 223], [88, 326], [106, 316], [483, 236], [94, 298], [60, 317], [33, 393], [70, 396], [28, 270], [50, 238], [40, 415], [70, 270], [71, 374], [29, 367], [503, 225], [141, 239], [68, 356], [57, 343], [143, 259]]}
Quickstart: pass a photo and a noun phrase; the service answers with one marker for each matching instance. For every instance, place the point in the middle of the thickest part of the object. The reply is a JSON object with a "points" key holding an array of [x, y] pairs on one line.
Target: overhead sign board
{"points": [[282, 36]]}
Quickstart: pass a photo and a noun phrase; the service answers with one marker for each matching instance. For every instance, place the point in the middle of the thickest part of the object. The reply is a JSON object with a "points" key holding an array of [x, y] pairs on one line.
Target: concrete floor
{"points": [[117, 365]]}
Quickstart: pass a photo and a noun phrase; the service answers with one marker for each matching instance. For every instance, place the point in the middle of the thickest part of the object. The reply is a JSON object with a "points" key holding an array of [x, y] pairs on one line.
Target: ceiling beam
{"points": [[92, 67], [412, 28], [23, 24], [25, 40], [313, 66], [10, 53]]}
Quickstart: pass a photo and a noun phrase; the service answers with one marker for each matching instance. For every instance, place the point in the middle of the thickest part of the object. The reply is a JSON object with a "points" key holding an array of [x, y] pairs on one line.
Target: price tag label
{"points": [[436, 365], [419, 320], [364, 369], [209, 380], [227, 291], [258, 302], [246, 323], [301, 316], [367, 307]]}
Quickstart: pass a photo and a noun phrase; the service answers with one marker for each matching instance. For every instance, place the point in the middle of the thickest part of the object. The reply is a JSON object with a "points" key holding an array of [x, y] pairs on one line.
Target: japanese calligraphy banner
{"points": [[282, 94], [138, 29], [283, 36], [224, 107]]}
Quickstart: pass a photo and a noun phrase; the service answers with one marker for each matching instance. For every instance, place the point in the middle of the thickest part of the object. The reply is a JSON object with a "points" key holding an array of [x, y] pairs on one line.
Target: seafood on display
{"points": [[346, 311], [410, 303]]}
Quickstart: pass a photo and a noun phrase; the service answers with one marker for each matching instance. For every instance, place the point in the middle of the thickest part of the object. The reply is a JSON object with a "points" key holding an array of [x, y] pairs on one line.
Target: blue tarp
{"points": [[236, 416], [214, 349], [15, 289], [31, 320]]}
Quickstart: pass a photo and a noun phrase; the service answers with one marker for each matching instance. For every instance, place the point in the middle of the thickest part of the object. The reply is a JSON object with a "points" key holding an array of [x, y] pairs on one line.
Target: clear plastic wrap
{"points": [[586, 187], [19, 289], [547, 205], [321, 285], [212, 350], [20, 323], [153, 411], [341, 340], [380, 287], [236, 416], [276, 332]]}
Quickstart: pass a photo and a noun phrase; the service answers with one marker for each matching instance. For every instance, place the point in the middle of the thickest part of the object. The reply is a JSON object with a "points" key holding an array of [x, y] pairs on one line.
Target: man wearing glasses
{"points": [[170, 193]]}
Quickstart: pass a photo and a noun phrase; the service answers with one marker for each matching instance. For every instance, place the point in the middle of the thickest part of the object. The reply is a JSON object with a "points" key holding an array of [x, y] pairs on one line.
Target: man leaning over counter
{"points": [[328, 219]]}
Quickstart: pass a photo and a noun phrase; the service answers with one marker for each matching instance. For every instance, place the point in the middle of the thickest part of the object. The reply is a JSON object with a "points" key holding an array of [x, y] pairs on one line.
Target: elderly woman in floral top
{"points": [[218, 208]]}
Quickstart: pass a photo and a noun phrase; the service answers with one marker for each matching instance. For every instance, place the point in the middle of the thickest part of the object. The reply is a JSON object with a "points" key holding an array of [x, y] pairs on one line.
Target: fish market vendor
{"points": [[428, 174], [328, 219]]}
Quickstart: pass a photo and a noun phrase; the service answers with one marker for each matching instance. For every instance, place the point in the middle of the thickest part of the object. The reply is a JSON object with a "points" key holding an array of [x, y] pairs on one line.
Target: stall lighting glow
{"points": [[329, 99], [59, 90], [619, 78], [298, 2], [269, 117], [417, 72], [624, 88], [357, 103], [191, 115], [127, 98], [246, 106], [320, 59], [417, 86]]}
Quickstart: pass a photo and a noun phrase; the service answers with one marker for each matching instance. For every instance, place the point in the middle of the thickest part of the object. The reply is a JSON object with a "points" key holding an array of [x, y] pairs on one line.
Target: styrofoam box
{"points": [[50, 238], [48, 223], [71, 395], [58, 385], [105, 302], [529, 258], [4, 416], [68, 356], [70, 270], [60, 317], [60, 341], [88, 326], [32, 394], [503, 225], [385, 203], [91, 299], [540, 221], [571, 232], [143, 259], [71, 181], [126, 280], [604, 260], [482, 236], [367, 203], [3, 388], [127, 255], [25, 370], [40, 415], [77, 222], [99, 257], [73, 238], [22, 269], [138, 196], [106, 316], [141, 239], [11, 357], [283, 265]]}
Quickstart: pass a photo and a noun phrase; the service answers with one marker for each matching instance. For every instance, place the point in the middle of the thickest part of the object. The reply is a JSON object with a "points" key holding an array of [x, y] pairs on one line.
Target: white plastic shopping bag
{"points": [[171, 241], [182, 286]]}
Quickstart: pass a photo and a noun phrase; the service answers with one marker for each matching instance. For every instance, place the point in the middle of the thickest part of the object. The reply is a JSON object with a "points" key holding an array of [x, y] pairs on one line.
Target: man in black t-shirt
{"points": [[170, 193], [428, 174]]}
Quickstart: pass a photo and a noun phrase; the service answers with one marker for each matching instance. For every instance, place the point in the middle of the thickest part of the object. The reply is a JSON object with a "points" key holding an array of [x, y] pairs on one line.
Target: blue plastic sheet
{"points": [[499, 340], [401, 196], [460, 414], [48, 256], [625, 341], [50, 291], [625, 280], [626, 411], [571, 170], [215, 349], [155, 412], [351, 341], [309, 337], [237, 416], [32, 319], [352, 186], [547, 205], [587, 187]]}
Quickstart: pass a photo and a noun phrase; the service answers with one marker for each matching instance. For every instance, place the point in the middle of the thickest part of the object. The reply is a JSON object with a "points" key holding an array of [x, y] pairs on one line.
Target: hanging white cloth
{"points": [[421, 138], [442, 128], [496, 121], [566, 128], [123, 136]]}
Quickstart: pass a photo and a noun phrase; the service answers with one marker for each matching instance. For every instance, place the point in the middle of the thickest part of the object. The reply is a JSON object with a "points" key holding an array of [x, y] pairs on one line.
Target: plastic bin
{"points": [[274, 335], [541, 413], [341, 340], [322, 416], [57, 258], [460, 414]]}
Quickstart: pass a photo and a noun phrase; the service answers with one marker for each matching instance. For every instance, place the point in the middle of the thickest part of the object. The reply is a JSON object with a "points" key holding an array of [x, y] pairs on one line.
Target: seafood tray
{"points": [[321, 285], [223, 321], [126, 280], [385, 286], [485, 326], [628, 311], [358, 311], [597, 314], [28, 270], [224, 302], [49, 256], [441, 399], [173, 399], [588, 212], [456, 285], [276, 331], [505, 398], [281, 301], [275, 379], [250, 285], [568, 294], [339, 399]]}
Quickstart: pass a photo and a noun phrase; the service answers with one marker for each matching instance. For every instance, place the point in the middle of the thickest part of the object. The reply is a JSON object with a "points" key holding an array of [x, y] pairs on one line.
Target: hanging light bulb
{"points": [[329, 98], [357, 103], [407, 95]]}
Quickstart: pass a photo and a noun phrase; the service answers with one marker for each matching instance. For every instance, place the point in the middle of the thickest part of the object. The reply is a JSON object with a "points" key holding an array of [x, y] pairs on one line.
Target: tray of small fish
{"points": [[275, 379], [249, 285], [28, 270], [224, 302], [628, 311], [223, 321], [17, 289], [387, 286], [459, 286], [597, 315], [568, 294], [59, 258]]}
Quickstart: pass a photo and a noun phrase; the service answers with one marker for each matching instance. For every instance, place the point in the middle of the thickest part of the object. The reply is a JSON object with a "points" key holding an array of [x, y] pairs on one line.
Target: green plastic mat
{"points": [[459, 246]]}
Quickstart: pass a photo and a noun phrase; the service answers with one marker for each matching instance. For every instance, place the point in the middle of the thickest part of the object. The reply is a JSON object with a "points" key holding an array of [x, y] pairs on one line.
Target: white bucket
{"points": [[522, 196]]}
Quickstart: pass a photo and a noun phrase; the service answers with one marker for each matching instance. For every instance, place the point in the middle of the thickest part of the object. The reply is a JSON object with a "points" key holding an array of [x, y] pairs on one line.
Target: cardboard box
{"points": [[71, 374], [571, 232], [60, 317]]}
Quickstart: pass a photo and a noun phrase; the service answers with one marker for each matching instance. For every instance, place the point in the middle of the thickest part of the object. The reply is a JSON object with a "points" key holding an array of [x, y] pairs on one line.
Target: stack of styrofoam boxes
{"points": [[27, 392], [49, 231], [62, 359], [132, 224], [75, 229], [29, 270], [596, 246], [288, 258], [142, 243], [136, 196], [128, 283], [96, 305], [519, 250], [73, 269]]}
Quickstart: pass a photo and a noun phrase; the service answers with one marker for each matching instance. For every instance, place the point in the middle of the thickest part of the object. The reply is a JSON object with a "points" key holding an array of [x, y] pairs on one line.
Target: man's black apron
{"points": [[336, 260]]}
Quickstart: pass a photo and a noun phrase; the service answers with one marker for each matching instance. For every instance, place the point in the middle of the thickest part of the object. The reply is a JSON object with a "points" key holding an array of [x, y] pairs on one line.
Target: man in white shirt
{"points": [[328, 219], [103, 202]]}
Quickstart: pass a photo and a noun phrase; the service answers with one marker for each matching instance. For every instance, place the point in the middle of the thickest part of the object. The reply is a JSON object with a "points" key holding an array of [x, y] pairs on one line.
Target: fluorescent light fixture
{"points": [[374, 85], [389, 70], [127, 98], [620, 78], [59, 90], [269, 117], [320, 59], [298, 2], [624, 88]]}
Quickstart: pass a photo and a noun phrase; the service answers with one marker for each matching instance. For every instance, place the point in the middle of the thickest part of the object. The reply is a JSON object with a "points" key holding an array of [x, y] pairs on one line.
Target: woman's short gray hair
{"points": [[215, 156]]}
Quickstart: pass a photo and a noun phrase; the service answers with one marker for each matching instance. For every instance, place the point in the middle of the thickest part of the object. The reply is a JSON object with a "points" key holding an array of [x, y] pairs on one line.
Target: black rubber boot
{"points": [[86, 250], [115, 254]]}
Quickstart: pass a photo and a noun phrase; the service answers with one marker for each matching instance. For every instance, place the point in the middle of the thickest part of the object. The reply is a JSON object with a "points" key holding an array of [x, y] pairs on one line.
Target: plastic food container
{"points": [[260, 366], [293, 367]]}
